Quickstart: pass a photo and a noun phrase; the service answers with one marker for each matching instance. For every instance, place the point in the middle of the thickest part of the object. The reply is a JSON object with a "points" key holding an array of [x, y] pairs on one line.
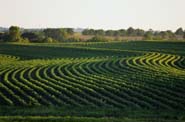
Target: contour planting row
{"points": [[106, 72], [131, 82]]}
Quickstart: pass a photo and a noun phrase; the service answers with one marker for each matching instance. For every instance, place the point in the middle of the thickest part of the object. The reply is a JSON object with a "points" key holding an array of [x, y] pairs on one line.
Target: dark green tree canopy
{"points": [[109, 33], [148, 35], [131, 31], [88, 32], [123, 32], [69, 30], [57, 34], [100, 32], [179, 32], [67, 34], [14, 34], [117, 33], [1, 36], [139, 32], [31, 36]]}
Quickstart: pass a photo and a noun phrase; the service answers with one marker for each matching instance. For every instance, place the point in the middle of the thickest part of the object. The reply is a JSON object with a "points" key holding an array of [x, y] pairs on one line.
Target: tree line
{"points": [[50, 35], [131, 32]]}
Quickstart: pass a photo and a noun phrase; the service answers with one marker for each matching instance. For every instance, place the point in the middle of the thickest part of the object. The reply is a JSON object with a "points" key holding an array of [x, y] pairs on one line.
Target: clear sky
{"points": [[106, 14]]}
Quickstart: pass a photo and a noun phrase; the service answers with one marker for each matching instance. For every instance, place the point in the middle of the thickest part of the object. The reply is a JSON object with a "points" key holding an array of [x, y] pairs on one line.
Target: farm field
{"points": [[89, 81]]}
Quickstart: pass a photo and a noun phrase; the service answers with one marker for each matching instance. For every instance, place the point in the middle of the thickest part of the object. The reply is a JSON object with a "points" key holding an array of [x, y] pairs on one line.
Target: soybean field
{"points": [[110, 76]]}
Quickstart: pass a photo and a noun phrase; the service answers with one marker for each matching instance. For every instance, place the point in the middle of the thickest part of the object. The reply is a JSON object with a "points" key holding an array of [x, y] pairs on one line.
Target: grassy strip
{"points": [[92, 112], [77, 119]]}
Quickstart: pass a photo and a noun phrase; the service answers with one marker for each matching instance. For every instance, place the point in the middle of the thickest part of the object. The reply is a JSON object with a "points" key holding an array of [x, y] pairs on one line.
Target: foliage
{"points": [[148, 35], [32, 37], [48, 40], [69, 31], [88, 32], [14, 34], [74, 39], [93, 79], [98, 39], [57, 34], [131, 32], [179, 32], [68, 35]]}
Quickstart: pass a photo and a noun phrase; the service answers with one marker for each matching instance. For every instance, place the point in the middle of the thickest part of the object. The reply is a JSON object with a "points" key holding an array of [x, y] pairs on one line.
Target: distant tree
{"points": [[184, 35], [171, 35], [148, 35], [179, 32], [88, 32], [74, 39], [14, 34], [163, 34], [139, 32], [91, 32], [1, 36], [109, 33], [156, 36], [48, 40], [117, 33], [32, 37], [4, 37], [123, 32], [131, 31], [85, 32], [70, 31], [100, 32], [98, 39], [56, 34]]}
